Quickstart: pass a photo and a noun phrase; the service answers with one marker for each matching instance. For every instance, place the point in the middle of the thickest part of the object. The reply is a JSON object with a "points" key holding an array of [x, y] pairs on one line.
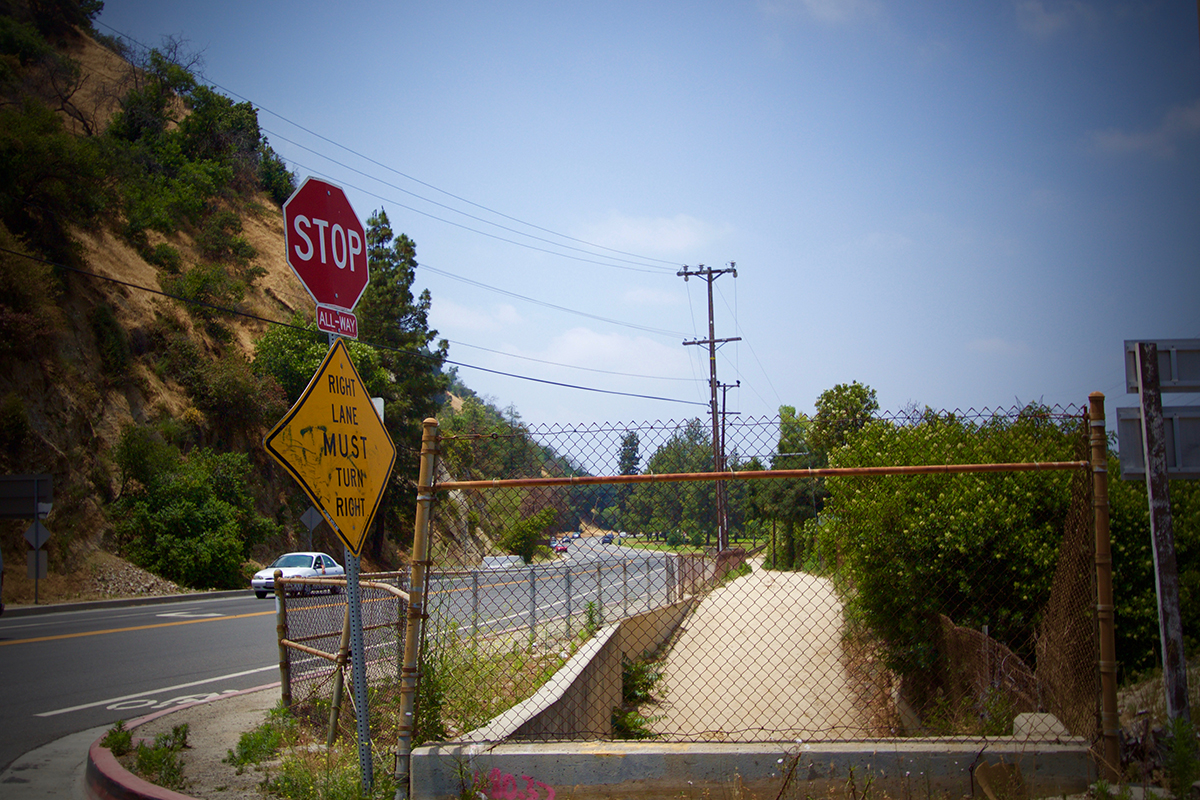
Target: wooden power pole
{"points": [[709, 274]]}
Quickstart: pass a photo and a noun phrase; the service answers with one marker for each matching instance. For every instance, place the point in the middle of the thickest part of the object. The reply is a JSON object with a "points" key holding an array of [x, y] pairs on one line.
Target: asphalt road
{"points": [[68, 671], [615, 579]]}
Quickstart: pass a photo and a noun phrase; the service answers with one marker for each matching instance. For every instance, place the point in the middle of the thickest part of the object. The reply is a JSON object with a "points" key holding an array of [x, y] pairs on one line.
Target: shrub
{"points": [[206, 289], [219, 239], [111, 341], [194, 518], [160, 763], [164, 256], [14, 423], [118, 739]]}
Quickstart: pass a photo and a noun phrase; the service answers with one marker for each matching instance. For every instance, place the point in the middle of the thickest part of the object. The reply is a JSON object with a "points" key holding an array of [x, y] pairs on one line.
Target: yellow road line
{"points": [[135, 628]]}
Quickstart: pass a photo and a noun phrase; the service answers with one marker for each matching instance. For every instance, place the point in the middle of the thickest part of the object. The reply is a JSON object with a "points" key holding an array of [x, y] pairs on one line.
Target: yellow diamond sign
{"points": [[334, 443]]}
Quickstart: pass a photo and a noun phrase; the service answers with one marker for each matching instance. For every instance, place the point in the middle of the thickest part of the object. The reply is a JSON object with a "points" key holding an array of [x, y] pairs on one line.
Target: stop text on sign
{"points": [[345, 247]]}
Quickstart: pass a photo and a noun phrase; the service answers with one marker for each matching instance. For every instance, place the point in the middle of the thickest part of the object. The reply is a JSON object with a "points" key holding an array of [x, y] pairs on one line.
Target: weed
{"points": [[261, 743], [118, 739], [1180, 761], [328, 775], [638, 678], [592, 621], [161, 763]]}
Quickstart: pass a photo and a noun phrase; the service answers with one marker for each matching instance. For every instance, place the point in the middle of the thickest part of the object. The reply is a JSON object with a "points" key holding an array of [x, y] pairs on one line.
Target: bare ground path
{"points": [[759, 659]]}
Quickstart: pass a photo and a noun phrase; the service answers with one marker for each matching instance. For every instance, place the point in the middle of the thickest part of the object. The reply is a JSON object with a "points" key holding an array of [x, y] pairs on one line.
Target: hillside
{"points": [[93, 347]]}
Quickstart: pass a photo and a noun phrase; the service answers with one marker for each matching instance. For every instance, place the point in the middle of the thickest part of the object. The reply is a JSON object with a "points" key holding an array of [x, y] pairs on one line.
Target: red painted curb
{"points": [[106, 779]]}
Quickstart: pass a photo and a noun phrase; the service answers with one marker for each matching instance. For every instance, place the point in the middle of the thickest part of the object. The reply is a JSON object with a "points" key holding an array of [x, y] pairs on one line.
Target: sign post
{"points": [[1152, 368], [332, 441]]}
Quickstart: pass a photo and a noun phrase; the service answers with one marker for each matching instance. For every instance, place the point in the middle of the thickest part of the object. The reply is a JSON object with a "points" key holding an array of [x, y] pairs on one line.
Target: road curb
{"points": [[106, 779], [25, 611]]}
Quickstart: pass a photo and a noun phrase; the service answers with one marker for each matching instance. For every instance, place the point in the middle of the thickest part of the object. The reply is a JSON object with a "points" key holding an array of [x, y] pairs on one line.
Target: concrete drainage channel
{"points": [[589, 686]]}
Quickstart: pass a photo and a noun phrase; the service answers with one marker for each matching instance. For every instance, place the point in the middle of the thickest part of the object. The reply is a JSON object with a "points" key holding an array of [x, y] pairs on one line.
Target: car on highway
{"points": [[606, 539], [560, 547], [297, 565]]}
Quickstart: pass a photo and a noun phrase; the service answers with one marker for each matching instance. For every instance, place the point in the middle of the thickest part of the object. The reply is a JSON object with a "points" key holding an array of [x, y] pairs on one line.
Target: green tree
{"points": [[53, 181], [659, 507], [786, 503], [979, 548], [521, 539], [191, 519], [840, 411], [396, 322]]}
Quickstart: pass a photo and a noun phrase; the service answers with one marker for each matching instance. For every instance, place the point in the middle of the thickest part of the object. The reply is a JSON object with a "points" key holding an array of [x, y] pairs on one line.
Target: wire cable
{"points": [[645, 267], [246, 314]]}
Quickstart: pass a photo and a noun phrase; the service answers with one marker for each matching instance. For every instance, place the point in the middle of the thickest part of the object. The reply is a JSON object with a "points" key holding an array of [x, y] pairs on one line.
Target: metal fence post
{"points": [[568, 613], [475, 605], [532, 606], [416, 605], [1110, 723], [625, 588], [285, 675]]}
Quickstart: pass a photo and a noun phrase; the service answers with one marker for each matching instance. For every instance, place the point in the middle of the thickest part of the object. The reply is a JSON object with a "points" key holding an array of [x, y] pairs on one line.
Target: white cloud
{"points": [[1041, 22], [1180, 122], [827, 11], [667, 236], [996, 346]]}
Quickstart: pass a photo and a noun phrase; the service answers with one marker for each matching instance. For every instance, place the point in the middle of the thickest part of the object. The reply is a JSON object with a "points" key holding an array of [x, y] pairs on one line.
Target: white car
{"points": [[296, 565]]}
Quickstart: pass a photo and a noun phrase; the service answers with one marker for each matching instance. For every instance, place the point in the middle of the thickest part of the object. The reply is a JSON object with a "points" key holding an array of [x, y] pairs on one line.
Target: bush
{"points": [[14, 423], [219, 239], [111, 341], [164, 256], [989, 542], [160, 763], [118, 739], [194, 518], [53, 181], [206, 289]]}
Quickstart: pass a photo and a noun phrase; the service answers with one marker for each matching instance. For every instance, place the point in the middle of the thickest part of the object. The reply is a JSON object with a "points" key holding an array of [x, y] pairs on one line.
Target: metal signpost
{"points": [[332, 440], [29, 497], [1173, 451]]}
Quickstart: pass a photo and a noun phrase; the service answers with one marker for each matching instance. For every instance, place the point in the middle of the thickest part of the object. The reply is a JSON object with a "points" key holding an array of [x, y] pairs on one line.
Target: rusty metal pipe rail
{"points": [[728, 475], [386, 587]]}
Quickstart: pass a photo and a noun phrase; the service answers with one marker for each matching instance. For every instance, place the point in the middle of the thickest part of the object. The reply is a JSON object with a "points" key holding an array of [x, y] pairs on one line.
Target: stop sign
{"points": [[326, 244]]}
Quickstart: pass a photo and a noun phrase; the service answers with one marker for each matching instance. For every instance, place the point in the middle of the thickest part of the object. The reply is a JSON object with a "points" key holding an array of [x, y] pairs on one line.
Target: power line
{"points": [[572, 366], [406, 207], [668, 265], [647, 267], [413, 353], [481, 285]]}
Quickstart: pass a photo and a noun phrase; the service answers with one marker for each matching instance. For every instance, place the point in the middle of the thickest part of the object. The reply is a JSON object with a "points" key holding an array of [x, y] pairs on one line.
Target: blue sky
{"points": [[963, 205]]}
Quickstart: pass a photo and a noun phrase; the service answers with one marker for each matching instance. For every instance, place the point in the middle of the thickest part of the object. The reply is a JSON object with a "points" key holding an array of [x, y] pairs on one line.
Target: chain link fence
{"points": [[314, 650], [845, 606]]}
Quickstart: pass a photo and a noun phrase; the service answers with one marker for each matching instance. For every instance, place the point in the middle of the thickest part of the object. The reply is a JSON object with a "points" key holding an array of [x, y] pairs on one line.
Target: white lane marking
{"points": [[155, 691], [188, 614]]}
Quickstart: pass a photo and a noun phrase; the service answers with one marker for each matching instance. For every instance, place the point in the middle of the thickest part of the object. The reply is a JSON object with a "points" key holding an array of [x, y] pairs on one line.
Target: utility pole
{"points": [[709, 274], [724, 501]]}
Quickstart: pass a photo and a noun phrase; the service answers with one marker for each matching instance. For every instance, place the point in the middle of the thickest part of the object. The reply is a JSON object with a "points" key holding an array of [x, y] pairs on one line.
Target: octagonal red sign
{"points": [[326, 244]]}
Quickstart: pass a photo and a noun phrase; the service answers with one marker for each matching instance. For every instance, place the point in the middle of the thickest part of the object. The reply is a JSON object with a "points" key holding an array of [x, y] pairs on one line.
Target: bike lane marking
{"points": [[117, 701]]}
